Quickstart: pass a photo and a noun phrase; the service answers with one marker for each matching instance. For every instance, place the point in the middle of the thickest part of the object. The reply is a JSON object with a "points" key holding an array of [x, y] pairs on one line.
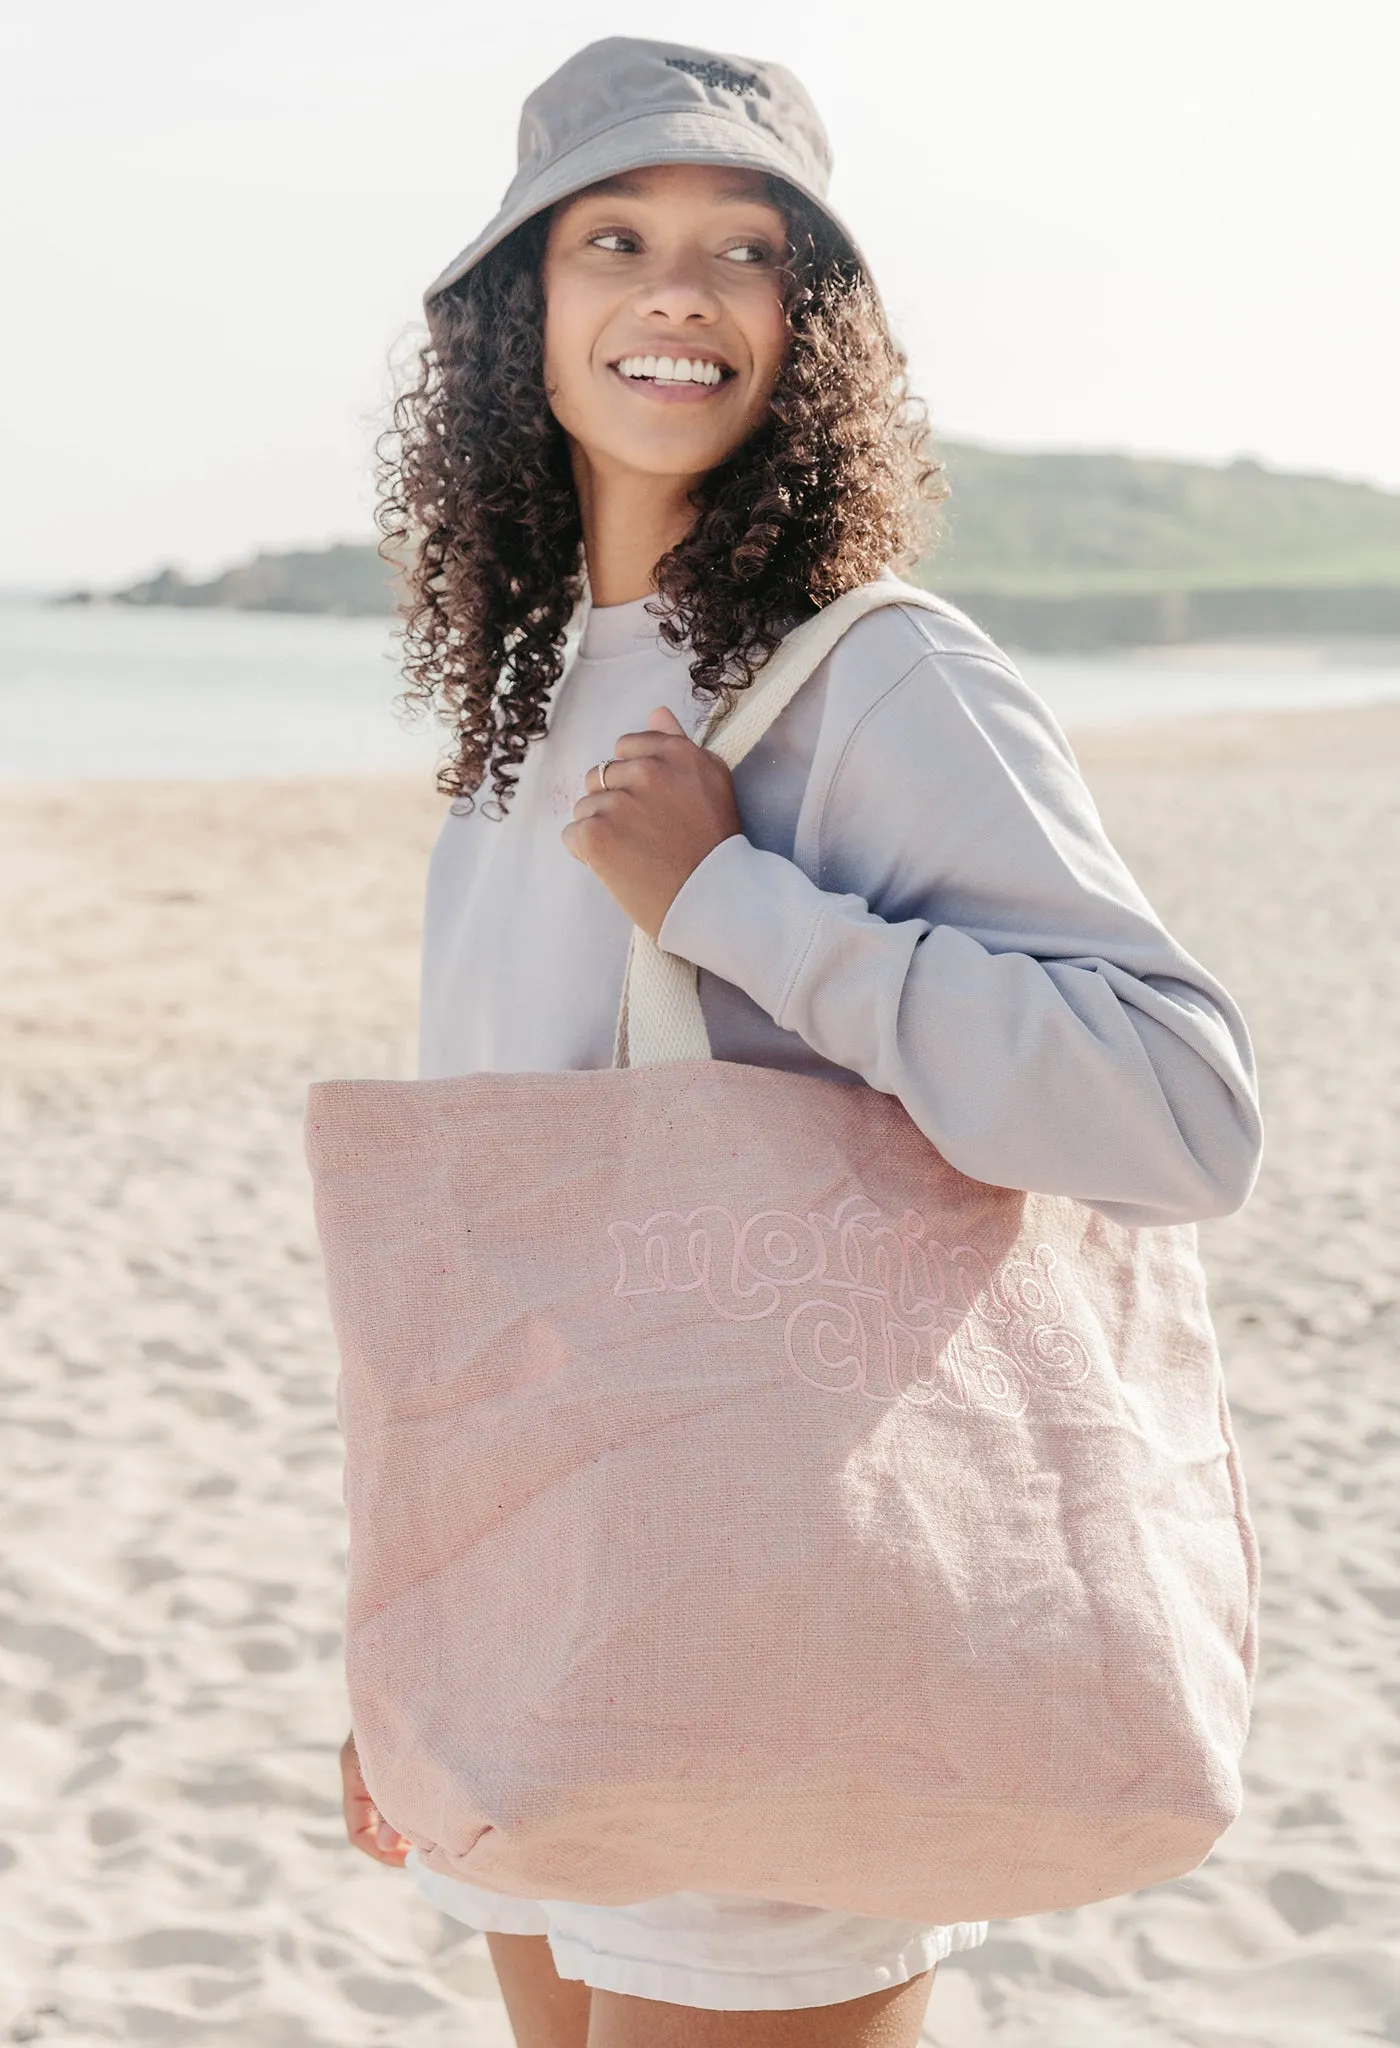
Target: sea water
{"points": [[94, 691]]}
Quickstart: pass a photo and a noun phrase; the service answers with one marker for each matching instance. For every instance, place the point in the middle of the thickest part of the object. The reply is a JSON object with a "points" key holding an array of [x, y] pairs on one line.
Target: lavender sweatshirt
{"points": [[922, 900]]}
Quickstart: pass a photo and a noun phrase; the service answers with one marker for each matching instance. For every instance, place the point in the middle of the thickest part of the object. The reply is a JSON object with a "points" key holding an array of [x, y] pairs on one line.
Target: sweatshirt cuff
{"points": [[747, 916]]}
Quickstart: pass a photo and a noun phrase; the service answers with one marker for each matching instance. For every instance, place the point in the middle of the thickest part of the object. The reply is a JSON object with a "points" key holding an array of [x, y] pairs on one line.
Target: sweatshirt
{"points": [[922, 900]]}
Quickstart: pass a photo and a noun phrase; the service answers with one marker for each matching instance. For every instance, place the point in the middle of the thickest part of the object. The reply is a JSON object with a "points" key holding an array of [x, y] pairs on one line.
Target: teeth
{"points": [[671, 369]]}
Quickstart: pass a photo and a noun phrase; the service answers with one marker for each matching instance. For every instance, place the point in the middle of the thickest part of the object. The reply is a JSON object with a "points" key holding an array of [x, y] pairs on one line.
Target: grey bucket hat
{"points": [[623, 103]]}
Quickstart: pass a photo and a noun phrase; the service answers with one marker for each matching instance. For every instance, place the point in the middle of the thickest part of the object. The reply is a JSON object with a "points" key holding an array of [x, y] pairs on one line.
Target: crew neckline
{"points": [[613, 629]]}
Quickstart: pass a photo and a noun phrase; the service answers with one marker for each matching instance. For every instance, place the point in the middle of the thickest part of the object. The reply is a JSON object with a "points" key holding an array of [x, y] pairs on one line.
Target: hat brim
{"points": [[690, 136]]}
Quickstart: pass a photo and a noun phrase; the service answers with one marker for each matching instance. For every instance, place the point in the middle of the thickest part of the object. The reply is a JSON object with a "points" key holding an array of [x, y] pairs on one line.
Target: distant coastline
{"points": [[1059, 552], [347, 580]]}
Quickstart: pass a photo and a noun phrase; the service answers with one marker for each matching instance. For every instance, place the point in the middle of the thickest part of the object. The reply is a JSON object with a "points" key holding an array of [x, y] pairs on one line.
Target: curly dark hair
{"points": [[477, 500]]}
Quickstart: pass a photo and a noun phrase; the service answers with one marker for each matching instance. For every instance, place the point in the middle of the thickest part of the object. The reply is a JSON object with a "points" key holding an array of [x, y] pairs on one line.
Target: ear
{"points": [[662, 720]]}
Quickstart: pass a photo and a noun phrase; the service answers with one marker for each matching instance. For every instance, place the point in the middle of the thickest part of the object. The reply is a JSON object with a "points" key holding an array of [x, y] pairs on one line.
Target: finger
{"points": [[580, 837], [664, 720], [391, 1846], [657, 741], [395, 1856], [587, 835], [362, 1835], [597, 803], [362, 1824], [379, 1840], [367, 1830], [593, 783]]}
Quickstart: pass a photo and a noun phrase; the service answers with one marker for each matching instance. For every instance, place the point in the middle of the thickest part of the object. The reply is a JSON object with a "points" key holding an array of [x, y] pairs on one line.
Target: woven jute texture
{"points": [[743, 1500]]}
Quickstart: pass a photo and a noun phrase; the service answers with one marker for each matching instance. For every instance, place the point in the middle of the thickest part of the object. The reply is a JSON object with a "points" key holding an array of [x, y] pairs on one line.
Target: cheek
{"points": [[557, 355], [767, 337], [568, 337]]}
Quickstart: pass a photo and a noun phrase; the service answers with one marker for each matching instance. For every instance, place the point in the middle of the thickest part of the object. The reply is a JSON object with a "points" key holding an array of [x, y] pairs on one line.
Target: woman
{"points": [[664, 369]]}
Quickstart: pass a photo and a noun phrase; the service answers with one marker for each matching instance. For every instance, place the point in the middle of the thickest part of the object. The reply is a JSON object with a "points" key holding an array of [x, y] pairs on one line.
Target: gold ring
{"points": [[603, 767]]}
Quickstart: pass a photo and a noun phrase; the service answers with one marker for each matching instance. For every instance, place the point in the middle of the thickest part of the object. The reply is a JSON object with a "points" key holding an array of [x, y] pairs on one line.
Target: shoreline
{"points": [[1332, 647], [193, 695]]}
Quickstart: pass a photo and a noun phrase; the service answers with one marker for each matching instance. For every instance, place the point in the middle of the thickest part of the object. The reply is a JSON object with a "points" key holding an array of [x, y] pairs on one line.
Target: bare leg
{"points": [[886, 2019], [545, 2009]]}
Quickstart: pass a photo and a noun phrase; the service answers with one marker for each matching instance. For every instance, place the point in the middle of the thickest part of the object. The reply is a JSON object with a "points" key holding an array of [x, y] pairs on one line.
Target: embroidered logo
{"points": [[868, 1306], [720, 77]]}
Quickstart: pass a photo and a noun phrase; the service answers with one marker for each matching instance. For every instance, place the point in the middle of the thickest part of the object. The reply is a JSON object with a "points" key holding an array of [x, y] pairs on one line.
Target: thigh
{"points": [[545, 2010], [883, 2019]]}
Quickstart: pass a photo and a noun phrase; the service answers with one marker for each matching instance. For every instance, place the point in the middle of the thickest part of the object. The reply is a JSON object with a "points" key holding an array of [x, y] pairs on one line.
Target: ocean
{"points": [[88, 692]]}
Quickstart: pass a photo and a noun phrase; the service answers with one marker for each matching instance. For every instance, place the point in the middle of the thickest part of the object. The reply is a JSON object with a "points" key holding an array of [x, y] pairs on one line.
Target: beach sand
{"points": [[179, 960]]}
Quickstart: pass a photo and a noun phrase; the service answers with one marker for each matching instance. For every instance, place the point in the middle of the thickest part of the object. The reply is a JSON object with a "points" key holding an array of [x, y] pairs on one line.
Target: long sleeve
{"points": [[969, 941]]}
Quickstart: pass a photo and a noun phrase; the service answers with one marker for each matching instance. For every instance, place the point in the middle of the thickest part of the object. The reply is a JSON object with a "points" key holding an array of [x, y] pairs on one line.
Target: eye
{"points": [[749, 252], [614, 241]]}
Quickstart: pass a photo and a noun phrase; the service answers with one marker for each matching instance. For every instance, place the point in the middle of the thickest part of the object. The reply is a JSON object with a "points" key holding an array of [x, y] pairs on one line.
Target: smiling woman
{"points": [[665, 330], [798, 475], [728, 1717], [665, 327]]}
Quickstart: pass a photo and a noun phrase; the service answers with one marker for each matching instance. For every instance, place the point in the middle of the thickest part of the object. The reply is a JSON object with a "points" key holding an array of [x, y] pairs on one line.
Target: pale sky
{"points": [[1097, 223]]}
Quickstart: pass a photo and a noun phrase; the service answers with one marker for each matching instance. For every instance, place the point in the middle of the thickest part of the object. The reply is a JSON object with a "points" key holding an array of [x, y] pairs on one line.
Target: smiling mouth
{"points": [[664, 372]]}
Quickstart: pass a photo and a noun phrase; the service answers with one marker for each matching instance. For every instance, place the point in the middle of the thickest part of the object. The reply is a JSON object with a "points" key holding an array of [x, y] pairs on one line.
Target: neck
{"points": [[629, 522]]}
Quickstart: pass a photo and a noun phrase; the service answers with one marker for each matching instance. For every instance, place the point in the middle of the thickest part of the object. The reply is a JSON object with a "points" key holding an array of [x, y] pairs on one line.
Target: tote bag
{"points": [[743, 1500]]}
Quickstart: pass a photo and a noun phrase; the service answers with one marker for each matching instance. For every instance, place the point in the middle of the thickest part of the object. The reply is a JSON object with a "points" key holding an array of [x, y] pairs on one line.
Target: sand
{"points": [[178, 960]]}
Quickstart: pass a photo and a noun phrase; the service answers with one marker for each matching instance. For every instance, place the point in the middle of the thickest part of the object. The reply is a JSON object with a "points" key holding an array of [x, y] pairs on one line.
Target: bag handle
{"points": [[659, 1019]]}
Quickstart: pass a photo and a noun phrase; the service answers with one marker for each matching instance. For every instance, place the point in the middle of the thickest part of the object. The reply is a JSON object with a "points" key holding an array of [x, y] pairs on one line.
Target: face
{"points": [[664, 321]]}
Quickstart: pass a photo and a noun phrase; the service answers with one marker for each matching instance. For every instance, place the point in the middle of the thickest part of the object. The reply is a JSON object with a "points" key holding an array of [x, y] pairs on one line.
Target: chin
{"points": [[673, 455], [681, 463]]}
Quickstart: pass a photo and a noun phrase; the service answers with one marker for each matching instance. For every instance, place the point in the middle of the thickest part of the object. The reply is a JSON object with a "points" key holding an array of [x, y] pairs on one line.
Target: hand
{"points": [[666, 805], [362, 1819]]}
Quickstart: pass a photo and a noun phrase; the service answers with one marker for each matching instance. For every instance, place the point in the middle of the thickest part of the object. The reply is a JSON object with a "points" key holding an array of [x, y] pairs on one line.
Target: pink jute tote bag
{"points": [[743, 1500]]}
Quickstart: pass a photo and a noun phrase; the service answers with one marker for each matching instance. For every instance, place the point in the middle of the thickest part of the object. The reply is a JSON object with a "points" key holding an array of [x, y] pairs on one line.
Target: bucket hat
{"points": [[623, 103]]}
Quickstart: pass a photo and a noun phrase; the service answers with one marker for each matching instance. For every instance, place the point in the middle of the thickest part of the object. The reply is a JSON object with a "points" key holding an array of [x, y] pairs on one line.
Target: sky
{"points": [[1096, 224]]}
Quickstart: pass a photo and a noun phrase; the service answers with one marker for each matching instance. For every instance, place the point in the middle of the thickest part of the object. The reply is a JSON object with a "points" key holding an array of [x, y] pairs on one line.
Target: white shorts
{"points": [[724, 1954]]}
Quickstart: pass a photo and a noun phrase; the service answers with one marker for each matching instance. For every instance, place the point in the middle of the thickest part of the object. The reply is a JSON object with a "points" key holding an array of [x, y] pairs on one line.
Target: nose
{"points": [[677, 291]]}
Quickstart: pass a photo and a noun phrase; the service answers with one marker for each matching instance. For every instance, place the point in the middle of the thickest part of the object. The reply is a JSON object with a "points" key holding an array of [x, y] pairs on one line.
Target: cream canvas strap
{"points": [[660, 1019]]}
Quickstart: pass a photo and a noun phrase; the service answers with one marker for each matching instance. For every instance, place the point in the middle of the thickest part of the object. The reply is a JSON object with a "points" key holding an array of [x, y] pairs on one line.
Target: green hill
{"points": [[1047, 550], [1074, 523], [1078, 552]]}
